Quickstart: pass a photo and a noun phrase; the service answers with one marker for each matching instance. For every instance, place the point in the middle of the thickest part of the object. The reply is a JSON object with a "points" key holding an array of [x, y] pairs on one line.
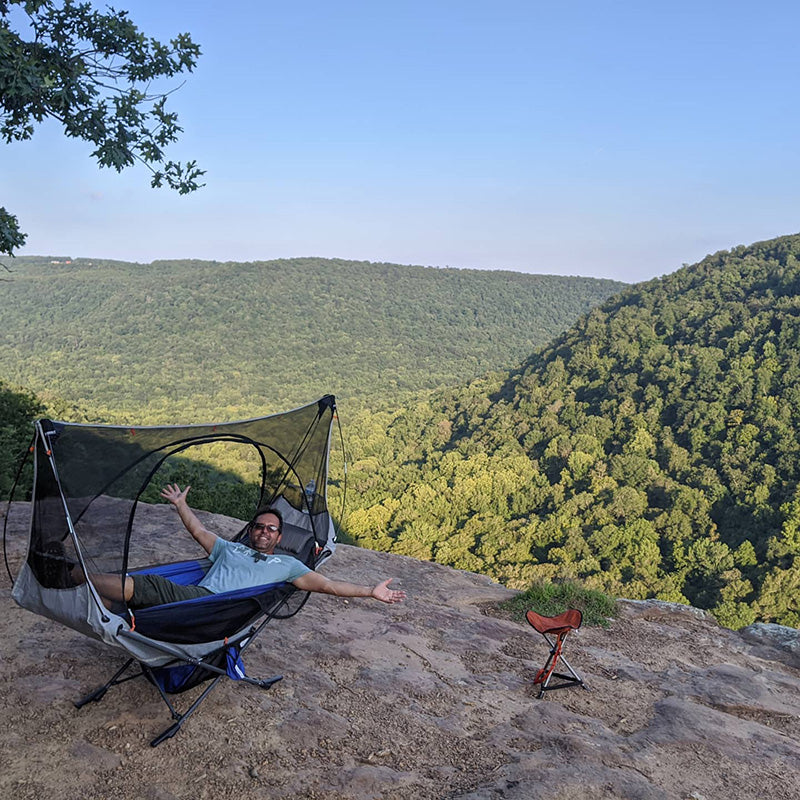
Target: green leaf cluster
{"points": [[18, 410], [99, 76]]}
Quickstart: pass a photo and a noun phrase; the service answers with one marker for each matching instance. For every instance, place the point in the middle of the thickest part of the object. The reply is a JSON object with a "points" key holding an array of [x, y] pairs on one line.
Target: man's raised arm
{"points": [[202, 535], [314, 582]]}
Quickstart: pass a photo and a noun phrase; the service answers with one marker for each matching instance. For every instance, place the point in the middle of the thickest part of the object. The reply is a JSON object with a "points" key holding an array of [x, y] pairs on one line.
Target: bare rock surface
{"points": [[430, 699]]}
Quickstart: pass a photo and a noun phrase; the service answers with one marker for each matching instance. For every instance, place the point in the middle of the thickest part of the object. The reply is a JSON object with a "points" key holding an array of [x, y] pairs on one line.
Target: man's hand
{"points": [[200, 533], [173, 493], [383, 593]]}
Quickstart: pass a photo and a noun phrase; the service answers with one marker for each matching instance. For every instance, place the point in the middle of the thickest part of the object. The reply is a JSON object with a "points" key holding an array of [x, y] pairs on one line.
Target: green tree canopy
{"points": [[18, 410], [658, 439], [94, 73]]}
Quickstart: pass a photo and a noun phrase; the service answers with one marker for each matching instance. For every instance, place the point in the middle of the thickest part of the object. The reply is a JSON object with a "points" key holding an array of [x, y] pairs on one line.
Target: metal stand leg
{"points": [[181, 718], [98, 693], [216, 673]]}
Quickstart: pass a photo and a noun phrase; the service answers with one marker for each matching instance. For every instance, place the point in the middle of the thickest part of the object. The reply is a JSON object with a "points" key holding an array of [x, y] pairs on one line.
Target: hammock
{"points": [[88, 481]]}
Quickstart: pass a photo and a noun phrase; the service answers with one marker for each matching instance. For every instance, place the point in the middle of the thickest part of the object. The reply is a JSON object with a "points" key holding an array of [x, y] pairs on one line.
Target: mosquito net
{"points": [[91, 479]]}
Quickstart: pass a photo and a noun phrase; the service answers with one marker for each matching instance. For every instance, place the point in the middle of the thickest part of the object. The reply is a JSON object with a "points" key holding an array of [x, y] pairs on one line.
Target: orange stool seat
{"points": [[570, 620], [558, 626]]}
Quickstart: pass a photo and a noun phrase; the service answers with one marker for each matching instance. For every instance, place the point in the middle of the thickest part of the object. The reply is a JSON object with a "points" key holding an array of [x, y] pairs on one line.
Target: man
{"points": [[233, 566]]}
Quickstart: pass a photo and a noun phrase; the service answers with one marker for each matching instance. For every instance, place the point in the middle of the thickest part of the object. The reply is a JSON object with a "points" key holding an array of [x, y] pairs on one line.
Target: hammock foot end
{"points": [[92, 697], [167, 734], [266, 684]]}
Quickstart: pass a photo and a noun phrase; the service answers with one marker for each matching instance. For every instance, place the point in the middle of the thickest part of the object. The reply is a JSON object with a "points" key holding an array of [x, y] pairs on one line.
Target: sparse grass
{"points": [[549, 599]]}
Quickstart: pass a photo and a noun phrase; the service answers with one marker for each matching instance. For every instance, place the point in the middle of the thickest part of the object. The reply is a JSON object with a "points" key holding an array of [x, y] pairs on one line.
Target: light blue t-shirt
{"points": [[236, 566]]}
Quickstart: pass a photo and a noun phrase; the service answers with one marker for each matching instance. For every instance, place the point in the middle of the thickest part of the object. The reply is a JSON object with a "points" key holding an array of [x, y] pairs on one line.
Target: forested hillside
{"points": [[184, 341], [652, 450]]}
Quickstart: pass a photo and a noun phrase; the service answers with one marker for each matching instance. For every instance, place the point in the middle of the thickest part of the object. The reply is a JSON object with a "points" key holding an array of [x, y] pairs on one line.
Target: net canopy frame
{"points": [[88, 484]]}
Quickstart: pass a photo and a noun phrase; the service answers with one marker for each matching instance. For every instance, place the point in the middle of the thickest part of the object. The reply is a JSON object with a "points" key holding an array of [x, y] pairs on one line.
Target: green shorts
{"points": [[155, 590]]}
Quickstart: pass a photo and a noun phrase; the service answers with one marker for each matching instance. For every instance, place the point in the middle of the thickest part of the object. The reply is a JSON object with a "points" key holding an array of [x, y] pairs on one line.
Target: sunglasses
{"points": [[260, 526]]}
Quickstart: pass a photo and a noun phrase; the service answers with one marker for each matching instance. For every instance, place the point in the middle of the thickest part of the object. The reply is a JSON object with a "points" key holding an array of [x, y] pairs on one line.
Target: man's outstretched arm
{"points": [[314, 582], [201, 534]]}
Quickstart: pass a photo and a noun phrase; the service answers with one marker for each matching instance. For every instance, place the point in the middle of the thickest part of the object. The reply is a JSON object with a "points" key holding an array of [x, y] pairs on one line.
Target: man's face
{"points": [[265, 533]]}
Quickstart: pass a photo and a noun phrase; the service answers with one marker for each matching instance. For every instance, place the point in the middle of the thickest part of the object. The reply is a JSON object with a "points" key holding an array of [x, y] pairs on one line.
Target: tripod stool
{"points": [[558, 626]]}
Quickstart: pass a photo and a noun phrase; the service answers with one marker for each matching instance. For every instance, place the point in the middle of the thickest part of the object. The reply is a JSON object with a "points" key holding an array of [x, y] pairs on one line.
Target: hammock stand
{"points": [[185, 672], [87, 483]]}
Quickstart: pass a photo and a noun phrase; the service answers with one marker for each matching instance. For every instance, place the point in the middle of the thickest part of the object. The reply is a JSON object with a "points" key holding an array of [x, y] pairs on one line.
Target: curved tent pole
{"points": [[185, 446], [208, 438], [344, 460], [205, 439], [22, 462], [198, 440], [68, 516]]}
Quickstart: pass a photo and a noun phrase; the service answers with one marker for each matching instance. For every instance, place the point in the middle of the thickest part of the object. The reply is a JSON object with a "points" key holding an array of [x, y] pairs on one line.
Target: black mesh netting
{"points": [[102, 472]]}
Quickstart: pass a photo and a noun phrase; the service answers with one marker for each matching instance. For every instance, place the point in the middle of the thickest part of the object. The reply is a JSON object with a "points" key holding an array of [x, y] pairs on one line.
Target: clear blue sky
{"points": [[611, 139]]}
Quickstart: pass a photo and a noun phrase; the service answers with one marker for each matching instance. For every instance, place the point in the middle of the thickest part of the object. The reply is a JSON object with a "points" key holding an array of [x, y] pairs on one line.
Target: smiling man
{"points": [[233, 566]]}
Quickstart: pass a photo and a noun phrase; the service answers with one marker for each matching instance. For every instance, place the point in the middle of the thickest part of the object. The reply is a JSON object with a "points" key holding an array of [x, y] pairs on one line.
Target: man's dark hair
{"points": [[267, 510]]}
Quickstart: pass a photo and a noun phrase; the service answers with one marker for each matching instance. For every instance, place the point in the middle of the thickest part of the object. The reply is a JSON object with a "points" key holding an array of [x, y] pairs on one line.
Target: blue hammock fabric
{"points": [[234, 663], [199, 619], [208, 618], [181, 678], [183, 572]]}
